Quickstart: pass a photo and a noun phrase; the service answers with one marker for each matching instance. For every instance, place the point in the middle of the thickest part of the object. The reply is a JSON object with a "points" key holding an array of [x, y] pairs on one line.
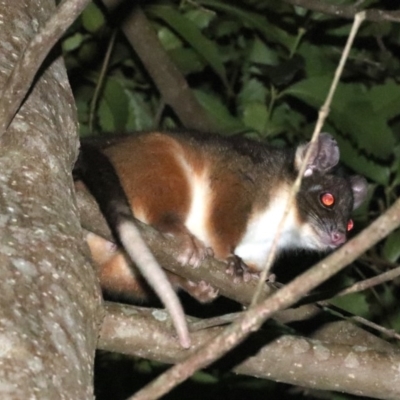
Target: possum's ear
{"points": [[360, 189], [324, 155]]}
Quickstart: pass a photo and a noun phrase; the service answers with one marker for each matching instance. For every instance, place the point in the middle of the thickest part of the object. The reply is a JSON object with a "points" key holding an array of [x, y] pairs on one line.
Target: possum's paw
{"points": [[194, 251], [202, 291], [238, 269]]}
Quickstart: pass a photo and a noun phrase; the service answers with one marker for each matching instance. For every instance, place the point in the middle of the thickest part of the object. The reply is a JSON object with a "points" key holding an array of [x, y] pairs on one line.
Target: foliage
{"points": [[262, 68]]}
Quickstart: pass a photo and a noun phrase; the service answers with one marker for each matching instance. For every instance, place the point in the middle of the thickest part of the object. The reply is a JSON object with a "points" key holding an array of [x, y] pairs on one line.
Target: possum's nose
{"points": [[338, 238]]}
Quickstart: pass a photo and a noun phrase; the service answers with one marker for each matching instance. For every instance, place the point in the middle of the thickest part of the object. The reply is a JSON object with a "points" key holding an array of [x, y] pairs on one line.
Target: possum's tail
{"points": [[98, 174]]}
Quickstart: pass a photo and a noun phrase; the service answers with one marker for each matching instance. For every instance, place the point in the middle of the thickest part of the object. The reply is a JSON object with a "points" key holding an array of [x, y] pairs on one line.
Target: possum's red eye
{"points": [[327, 199], [350, 225]]}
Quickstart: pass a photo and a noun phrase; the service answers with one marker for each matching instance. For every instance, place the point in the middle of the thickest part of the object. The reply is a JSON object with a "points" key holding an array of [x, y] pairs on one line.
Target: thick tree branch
{"points": [[346, 11], [20, 80], [297, 360]]}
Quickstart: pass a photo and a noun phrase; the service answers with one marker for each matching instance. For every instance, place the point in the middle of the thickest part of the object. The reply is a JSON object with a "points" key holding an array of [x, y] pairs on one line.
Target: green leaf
{"points": [[391, 248], [396, 167], [201, 17], [72, 42], [191, 33], [226, 28], [84, 131], [226, 123], [187, 60], [262, 54], [169, 39], [92, 18], [351, 112], [389, 301], [252, 19], [252, 90], [106, 120], [114, 103], [116, 96], [342, 30], [87, 51], [362, 164], [317, 59], [284, 119], [370, 131], [355, 303], [385, 99], [204, 378], [255, 115], [140, 116], [311, 90]]}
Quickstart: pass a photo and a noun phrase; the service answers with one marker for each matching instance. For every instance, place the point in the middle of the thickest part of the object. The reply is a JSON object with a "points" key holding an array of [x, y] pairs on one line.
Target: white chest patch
{"points": [[260, 233]]}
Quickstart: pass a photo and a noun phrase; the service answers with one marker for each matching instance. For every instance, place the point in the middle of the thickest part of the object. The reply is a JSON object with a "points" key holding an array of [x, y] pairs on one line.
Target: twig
{"points": [[101, 79], [24, 71], [329, 307], [323, 113], [369, 283], [357, 287], [379, 328], [215, 321]]}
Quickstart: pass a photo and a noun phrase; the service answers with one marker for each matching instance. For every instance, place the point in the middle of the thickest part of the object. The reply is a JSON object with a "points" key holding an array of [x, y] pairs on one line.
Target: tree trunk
{"points": [[49, 298]]}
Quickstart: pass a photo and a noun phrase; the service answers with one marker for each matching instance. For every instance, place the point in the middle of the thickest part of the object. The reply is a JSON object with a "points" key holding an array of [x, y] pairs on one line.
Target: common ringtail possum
{"points": [[221, 196]]}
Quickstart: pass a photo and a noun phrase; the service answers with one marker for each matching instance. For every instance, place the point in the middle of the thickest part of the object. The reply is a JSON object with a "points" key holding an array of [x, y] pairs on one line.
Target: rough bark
{"points": [[48, 297], [366, 368]]}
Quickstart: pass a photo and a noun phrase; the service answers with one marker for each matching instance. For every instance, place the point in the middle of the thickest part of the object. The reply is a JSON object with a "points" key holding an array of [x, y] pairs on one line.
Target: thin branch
{"points": [[214, 321], [19, 82], [346, 11], [320, 122], [360, 320], [168, 79], [369, 283], [100, 81]]}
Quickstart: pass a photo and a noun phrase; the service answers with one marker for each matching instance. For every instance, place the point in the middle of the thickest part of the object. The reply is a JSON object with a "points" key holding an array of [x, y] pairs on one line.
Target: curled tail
{"points": [[97, 172]]}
